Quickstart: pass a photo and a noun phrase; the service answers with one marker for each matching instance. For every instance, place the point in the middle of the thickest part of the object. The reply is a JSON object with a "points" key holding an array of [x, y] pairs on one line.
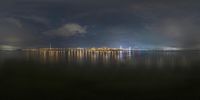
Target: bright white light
{"points": [[121, 47], [129, 48]]}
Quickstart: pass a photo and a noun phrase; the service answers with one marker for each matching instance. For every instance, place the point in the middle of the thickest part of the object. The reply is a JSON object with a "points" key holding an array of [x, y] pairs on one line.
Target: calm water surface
{"points": [[117, 75]]}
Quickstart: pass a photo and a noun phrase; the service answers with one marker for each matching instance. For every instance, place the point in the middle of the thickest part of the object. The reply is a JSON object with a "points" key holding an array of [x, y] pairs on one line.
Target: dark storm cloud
{"points": [[18, 33], [183, 31], [177, 21], [12, 31], [152, 22]]}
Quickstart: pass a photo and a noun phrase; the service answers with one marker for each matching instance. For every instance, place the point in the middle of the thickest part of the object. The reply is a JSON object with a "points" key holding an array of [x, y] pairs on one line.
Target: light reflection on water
{"points": [[133, 58], [125, 73]]}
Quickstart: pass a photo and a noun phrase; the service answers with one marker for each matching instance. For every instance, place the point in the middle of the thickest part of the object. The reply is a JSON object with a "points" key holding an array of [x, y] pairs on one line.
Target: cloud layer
{"points": [[26, 23], [67, 30]]}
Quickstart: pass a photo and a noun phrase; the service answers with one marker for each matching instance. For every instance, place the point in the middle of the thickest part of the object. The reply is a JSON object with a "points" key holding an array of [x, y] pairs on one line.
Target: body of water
{"points": [[100, 75]]}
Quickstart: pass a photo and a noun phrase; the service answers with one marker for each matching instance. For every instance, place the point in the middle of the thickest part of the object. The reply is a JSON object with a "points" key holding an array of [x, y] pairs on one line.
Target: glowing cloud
{"points": [[68, 30]]}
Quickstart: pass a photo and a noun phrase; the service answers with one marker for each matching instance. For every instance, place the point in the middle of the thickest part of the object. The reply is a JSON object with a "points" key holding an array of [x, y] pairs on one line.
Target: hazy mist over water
{"points": [[119, 75]]}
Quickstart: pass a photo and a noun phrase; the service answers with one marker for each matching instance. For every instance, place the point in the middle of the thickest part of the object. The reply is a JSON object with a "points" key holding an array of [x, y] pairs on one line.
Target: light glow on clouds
{"points": [[68, 30], [8, 47]]}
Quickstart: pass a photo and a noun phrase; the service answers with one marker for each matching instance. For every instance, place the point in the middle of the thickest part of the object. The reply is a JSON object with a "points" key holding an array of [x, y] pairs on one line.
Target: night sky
{"points": [[99, 23]]}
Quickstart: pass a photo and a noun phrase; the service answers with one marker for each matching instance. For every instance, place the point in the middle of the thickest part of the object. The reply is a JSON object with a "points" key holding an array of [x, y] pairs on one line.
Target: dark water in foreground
{"points": [[135, 75]]}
